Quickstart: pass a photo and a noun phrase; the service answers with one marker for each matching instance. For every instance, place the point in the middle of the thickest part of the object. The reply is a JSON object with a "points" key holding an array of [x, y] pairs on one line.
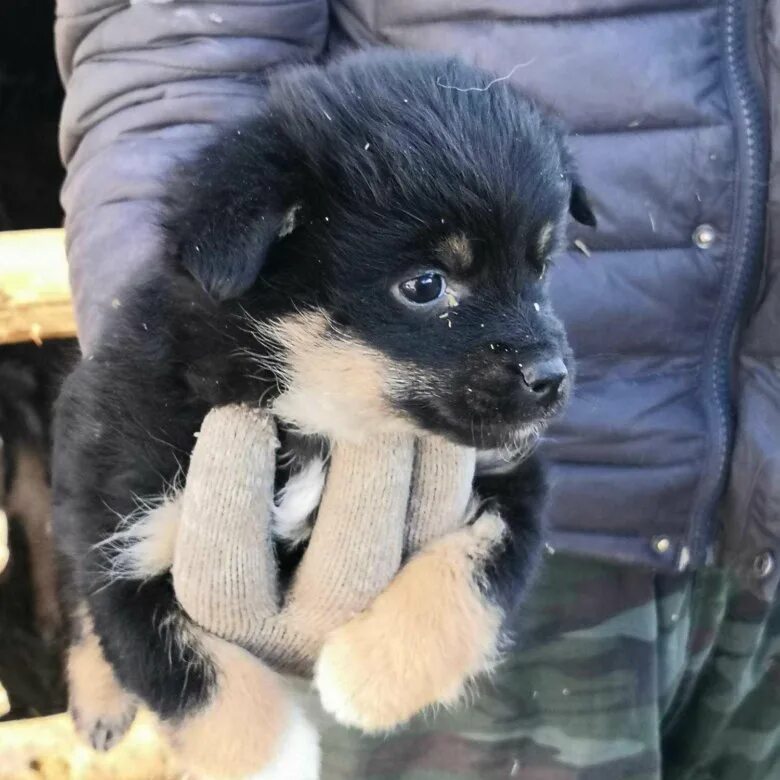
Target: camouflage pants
{"points": [[625, 674]]}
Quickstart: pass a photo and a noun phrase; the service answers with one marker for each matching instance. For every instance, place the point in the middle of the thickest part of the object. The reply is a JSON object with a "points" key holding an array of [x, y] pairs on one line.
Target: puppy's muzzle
{"points": [[543, 379]]}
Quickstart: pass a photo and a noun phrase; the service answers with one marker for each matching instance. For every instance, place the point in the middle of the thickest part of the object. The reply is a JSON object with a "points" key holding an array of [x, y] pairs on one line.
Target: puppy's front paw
{"points": [[423, 639]]}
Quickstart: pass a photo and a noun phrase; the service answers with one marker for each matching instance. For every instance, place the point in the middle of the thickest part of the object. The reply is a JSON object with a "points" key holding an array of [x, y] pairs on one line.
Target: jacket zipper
{"points": [[748, 236]]}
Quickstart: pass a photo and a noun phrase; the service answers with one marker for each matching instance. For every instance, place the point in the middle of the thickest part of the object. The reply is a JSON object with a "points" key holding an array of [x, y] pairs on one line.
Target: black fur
{"points": [[518, 495], [383, 160]]}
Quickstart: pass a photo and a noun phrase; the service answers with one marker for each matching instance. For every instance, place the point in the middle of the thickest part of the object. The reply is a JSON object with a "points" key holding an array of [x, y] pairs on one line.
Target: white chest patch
{"points": [[296, 501]]}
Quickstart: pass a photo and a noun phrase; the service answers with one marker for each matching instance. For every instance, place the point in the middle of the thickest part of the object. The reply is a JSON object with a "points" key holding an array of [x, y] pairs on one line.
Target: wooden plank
{"points": [[35, 301], [49, 749]]}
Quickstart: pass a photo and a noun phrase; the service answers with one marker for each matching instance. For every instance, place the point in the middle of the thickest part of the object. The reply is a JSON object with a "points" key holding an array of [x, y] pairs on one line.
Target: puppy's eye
{"points": [[423, 289]]}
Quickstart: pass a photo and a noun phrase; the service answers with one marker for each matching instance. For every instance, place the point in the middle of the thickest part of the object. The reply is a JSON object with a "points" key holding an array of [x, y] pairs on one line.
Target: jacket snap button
{"points": [[704, 236], [763, 564], [661, 544]]}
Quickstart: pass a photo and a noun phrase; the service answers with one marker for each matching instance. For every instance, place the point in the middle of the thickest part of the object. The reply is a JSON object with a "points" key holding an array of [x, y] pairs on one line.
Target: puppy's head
{"points": [[386, 227]]}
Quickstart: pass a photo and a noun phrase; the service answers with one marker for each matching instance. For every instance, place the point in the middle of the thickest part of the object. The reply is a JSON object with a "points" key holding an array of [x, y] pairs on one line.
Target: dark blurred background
{"points": [[30, 101]]}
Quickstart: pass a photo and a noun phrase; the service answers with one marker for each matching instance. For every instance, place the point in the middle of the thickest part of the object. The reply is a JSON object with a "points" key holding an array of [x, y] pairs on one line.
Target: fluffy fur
{"points": [[250, 722], [292, 244]]}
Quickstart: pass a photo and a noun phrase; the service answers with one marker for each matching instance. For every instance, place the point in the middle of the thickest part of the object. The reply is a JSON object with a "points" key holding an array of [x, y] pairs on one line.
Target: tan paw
{"points": [[103, 731], [102, 711], [423, 639]]}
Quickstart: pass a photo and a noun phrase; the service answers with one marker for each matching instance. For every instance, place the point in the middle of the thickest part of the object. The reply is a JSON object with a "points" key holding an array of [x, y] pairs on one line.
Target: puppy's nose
{"points": [[544, 378]]}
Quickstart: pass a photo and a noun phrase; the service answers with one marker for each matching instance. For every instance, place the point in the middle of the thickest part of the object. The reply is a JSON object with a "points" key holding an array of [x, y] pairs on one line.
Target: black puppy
{"points": [[369, 253]]}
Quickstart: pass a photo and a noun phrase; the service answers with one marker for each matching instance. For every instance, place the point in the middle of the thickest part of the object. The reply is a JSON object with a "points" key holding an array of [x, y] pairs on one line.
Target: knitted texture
{"points": [[223, 564], [441, 489], [384, 496]]}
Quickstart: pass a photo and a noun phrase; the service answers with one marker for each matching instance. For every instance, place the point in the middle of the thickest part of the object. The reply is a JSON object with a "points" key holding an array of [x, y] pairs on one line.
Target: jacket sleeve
{"points": [[147, 83]]}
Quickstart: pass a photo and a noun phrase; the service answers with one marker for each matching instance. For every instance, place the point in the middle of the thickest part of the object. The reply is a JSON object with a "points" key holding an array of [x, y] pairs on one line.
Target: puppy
{"points": [[369, 254]]}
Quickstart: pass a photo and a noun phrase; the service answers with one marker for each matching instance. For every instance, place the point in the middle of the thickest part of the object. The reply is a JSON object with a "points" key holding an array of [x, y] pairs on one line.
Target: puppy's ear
{"points": [[226, 208], [227, 254], [579, 204]]}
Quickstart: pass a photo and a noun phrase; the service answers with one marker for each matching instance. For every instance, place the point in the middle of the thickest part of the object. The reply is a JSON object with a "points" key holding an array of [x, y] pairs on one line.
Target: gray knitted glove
{"points": [[384, 498]]}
